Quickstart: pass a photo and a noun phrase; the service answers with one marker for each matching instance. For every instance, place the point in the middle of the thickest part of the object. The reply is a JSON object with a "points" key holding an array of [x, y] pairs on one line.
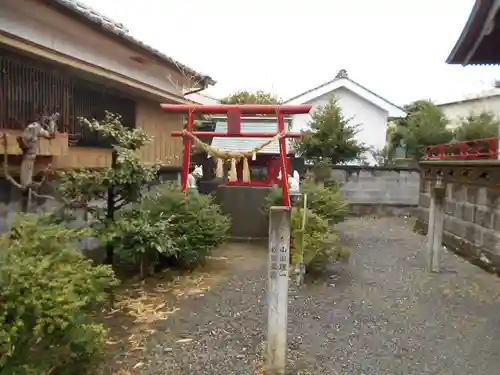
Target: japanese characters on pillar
{"points": [[279, 260]]}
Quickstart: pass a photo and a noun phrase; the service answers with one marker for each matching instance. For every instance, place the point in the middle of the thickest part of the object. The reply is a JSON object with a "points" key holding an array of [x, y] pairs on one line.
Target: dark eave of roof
{"points": [[474, 44], [79, 10]]}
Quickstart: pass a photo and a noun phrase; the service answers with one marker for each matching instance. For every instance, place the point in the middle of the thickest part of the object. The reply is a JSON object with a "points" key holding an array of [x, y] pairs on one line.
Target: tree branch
{"points": [[6, 165]]}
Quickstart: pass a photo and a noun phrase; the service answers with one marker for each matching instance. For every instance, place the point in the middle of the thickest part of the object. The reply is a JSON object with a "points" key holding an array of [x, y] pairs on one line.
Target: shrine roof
{"points": [[246, 144]]}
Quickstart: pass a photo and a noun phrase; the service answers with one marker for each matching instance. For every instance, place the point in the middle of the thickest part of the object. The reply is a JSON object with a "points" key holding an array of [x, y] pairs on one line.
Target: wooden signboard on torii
{"points": [[234, 113]]}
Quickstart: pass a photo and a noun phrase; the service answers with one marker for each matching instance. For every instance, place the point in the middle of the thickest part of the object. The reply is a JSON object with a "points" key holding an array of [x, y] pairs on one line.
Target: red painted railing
{"points": [[485, 148]]}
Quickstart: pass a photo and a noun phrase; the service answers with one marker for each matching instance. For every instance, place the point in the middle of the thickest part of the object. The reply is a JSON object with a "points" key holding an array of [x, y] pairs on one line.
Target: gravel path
{"points": [[380, 314]]}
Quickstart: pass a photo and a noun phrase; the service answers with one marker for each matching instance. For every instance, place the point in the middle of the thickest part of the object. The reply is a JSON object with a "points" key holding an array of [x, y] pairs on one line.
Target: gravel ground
{"points": [[380, 314]]}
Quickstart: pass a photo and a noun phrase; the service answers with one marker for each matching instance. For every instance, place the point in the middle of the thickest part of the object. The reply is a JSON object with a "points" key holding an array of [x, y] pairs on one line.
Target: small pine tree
{"points": [[119, 184], [331, 139]]}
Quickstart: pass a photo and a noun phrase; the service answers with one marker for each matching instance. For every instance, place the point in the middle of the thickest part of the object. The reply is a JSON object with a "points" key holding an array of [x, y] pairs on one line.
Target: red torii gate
{"points": [[234, 113]]}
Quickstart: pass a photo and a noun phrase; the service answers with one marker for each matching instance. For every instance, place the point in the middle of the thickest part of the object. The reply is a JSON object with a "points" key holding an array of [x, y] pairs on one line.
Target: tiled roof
{"points": [[477, 42], [342, 76], [247, 144], [79, 8]]}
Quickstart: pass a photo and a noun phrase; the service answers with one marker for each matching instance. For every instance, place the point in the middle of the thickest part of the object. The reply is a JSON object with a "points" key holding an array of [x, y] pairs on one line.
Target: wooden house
{"points": [[62, 56]]}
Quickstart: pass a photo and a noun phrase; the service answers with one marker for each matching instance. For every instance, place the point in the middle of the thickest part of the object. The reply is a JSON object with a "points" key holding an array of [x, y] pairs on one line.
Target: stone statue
{"points": [[28, 142], [196, 174], [293, 182]]}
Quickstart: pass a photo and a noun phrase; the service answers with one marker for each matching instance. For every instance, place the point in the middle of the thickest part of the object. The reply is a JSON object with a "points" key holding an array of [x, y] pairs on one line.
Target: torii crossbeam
{"points": [[234, 113]]}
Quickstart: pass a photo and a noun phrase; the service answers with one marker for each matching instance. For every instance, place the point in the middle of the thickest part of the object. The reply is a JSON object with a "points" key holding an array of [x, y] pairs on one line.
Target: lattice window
{"points": [[30, 88]]}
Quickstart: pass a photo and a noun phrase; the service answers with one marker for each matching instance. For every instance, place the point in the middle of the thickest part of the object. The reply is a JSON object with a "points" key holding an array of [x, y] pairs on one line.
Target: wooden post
{"points": [[186, 161], [277, 292], [498, 144], [435, 228], [300, 268], [430, 230]]}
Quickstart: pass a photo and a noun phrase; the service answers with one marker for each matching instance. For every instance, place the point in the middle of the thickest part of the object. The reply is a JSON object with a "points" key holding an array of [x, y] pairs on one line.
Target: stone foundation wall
{"points": [[378, 190], [471, 222], [244, 205]]}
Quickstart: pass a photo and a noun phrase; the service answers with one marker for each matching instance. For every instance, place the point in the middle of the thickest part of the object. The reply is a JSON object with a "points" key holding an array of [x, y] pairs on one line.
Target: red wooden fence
{"points": [[485, 148]]}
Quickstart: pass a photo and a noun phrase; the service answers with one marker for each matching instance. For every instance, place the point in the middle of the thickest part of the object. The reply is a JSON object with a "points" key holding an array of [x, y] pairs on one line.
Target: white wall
{"points": [[456, 111], [373, 119], [32, 21], [202, 99]]}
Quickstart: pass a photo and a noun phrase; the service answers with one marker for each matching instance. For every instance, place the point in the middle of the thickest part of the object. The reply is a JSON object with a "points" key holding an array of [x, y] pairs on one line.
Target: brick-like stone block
{"points": [[459, 210], [425, 186], [469, 211], [458, 192], [493, 198], [456, 226], [491, 241], [496, 220], [450, 208], [424, 200], [482, 196], [474, 234], [484, 217], [472, 194]]}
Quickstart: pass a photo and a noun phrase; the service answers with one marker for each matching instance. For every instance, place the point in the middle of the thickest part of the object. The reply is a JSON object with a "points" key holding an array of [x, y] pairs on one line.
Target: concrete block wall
{"points": [[471, 222], [379, 190]]}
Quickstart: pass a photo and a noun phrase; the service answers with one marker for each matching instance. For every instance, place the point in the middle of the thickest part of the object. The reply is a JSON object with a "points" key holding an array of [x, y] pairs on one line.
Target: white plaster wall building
{"points": [[458, 110], [365, 107], [202, 98]]}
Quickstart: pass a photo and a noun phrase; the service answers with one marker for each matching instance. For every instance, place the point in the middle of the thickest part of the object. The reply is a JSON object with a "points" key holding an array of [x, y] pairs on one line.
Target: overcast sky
{"points": [[396, 48]]}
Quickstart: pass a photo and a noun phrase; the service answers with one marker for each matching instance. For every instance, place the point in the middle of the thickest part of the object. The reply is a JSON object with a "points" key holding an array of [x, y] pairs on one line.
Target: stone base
{"points": [[244, 205], [474, 254]]}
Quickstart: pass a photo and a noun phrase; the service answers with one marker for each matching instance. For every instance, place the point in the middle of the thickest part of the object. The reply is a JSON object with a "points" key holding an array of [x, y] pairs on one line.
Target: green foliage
{"points": [[139, 238], [483, 125], [82, 186], [321, 246], [247, 97], [323, 201], [325, 207], [143, 227], [119, 185], [424, 125], [332, 136], [197, 224], [47, 293], [274, 198]]}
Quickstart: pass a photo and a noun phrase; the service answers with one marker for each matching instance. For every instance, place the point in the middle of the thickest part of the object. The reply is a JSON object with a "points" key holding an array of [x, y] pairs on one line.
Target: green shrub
{"points": [[197, 223], [325, 207], [321, 246], [324, 201], [274, 198], [47, 292], [139, 238]]}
